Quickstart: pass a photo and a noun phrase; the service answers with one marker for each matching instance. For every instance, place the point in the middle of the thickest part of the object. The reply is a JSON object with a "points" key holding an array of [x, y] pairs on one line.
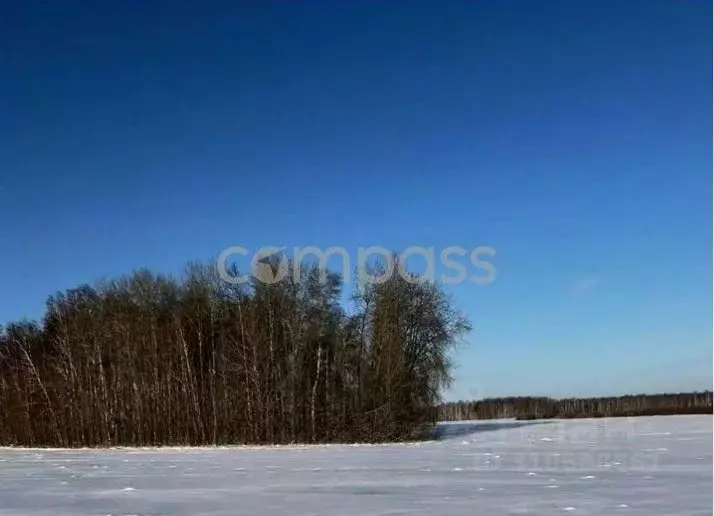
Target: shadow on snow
{"points": [[460, 429]]}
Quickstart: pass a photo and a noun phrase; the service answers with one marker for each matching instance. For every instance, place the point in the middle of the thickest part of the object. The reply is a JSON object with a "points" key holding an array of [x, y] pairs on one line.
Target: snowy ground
{"points": [[655, 465]]}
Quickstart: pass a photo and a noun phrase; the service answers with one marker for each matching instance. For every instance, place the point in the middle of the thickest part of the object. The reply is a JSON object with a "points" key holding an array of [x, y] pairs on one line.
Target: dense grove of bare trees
{"points": [[150, 359], [543, 407]]}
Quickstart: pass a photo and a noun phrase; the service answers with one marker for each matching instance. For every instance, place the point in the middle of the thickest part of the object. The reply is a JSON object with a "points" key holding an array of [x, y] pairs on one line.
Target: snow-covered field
{"points": [[654, 465]]}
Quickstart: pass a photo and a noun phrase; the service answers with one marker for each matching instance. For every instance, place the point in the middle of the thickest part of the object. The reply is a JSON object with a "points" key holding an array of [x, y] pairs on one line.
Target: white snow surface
{"points": [[647, 466]]}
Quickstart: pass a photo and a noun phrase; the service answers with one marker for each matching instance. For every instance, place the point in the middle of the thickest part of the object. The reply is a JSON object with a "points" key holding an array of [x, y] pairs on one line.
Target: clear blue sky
{"points": [[573, 137]]}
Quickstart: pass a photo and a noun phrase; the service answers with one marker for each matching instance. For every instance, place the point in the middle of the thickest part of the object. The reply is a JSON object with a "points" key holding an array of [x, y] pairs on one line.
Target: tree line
{"points": [[527, 407], [151, 359]]}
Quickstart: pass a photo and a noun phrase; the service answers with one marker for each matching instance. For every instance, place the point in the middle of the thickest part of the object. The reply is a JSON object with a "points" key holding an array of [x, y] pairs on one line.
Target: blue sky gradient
{"points": [[573, 137]]}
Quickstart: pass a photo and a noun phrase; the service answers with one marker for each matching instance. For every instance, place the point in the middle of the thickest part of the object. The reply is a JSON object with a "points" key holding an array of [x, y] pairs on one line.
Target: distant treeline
{"points": [[545, 408], [154, 360]]}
